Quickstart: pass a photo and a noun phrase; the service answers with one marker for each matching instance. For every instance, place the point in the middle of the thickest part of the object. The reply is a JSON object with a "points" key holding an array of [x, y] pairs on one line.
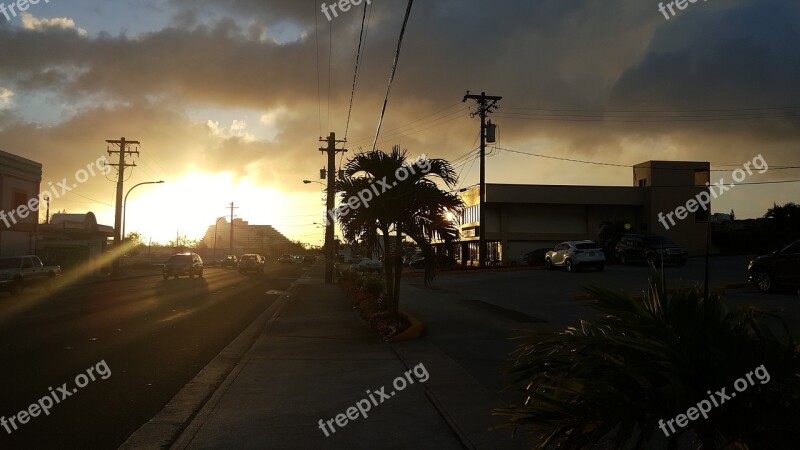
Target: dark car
{"points": [[309, 260], [251, 263], [442, 261], [230, 261], [649, 248], [781, 267], [535, 257], [183, 264]]}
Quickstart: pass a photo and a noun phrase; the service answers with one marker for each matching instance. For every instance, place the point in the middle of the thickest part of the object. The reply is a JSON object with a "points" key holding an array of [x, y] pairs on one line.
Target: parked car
{"points": [[368, 266], [183, 264], [230, 261], [19, 272], [649, 248], [781, 267], [251, 263], [309, 260], [573, 255], [411, 257], [535, 257], [441, 261]]}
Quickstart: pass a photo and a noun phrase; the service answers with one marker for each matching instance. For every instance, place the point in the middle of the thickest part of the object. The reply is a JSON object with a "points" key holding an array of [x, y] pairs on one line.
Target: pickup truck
{"points": [[19, 272]]}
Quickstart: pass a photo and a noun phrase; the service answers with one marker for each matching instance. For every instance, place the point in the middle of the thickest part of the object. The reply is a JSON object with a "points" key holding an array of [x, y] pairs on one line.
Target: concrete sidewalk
{"points": [[317, 360]]}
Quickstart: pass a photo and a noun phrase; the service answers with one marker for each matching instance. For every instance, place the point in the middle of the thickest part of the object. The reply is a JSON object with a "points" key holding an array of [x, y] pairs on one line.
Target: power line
{"points": [[330, 60], [644, 118], [355, 72], [401, 127], [627, 166], [394, 72], [640, 111], [319, 89]]}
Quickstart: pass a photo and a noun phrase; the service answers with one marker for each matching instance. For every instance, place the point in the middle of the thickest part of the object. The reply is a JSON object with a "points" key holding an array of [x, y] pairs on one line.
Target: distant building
{"points": [[262, 239], [19, 183], [721, 218], [523, 218]]}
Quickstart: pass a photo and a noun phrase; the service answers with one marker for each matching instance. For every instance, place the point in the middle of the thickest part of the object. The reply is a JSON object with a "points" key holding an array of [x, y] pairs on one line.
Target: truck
{"points": [[19, 272]]}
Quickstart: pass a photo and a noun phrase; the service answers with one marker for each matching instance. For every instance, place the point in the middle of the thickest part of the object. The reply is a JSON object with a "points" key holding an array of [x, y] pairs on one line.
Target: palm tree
{"points": [[641, 363], [414, 207]]}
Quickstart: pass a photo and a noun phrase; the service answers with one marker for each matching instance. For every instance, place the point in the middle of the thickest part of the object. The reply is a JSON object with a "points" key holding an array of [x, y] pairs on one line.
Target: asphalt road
{"points": [[153, 335]]}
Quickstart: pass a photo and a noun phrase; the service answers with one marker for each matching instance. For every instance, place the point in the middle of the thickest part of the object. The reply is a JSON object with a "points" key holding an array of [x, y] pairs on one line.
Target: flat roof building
{"points": [[523, 218], [19, 184]]}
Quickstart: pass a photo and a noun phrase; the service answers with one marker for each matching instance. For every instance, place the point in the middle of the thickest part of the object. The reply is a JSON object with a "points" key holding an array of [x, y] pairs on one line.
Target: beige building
{"points": [[262, 239], [522, 218], [19, 184]]}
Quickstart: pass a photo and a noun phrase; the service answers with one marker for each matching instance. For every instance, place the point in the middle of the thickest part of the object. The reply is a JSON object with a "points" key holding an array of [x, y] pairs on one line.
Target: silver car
{"points": [[573, 255]]}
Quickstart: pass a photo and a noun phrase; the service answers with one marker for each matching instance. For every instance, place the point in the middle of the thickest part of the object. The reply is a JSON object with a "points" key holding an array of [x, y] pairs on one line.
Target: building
{"points": [[523, 218], [262, 239], [75, 242], [19, 185]]}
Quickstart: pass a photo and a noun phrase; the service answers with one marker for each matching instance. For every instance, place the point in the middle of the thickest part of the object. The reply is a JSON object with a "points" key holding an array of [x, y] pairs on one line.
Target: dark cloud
{"points": [[579, 55]]}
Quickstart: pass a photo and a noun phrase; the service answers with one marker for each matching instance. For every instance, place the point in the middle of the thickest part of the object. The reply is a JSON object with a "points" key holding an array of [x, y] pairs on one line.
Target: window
{"points": [[18, 199], [26, 263], [701, 177], [643, 182]]}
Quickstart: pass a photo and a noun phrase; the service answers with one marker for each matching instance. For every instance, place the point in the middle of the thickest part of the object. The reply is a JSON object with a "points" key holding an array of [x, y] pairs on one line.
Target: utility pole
{"points": [[232, 208], [123, 151], [329, 204], [47, 215], [486, 104]]}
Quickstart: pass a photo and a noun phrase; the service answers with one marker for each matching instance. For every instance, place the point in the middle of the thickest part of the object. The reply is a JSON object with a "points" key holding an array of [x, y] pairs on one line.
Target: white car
{"points": [[573, 255], [368, 266]]}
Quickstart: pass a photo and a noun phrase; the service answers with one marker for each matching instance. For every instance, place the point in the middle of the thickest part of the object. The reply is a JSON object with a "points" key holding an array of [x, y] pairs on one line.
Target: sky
{"points": [[229, 98]]}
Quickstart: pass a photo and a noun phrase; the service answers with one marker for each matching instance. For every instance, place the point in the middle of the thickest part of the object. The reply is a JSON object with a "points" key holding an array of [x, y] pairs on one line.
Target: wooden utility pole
{"points": [[329, 204], [486, 104], [123, 151]]}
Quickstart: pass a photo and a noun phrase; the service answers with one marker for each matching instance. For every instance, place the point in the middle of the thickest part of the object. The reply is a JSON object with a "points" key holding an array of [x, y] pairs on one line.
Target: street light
{"points": [[311, 181], [125, 203]]}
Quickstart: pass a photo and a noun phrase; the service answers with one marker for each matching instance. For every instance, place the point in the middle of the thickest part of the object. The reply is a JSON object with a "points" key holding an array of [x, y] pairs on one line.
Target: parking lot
{"points": [[554, 296]]}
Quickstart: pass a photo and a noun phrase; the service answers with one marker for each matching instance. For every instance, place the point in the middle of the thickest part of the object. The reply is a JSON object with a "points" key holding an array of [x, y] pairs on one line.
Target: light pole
{"points": [[215, 235], [310, 181], [124, 204]]}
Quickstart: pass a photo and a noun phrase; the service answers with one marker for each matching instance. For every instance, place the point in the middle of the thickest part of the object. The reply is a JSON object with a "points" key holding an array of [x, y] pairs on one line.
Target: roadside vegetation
{"points": [[415, 208], [612, 380]]}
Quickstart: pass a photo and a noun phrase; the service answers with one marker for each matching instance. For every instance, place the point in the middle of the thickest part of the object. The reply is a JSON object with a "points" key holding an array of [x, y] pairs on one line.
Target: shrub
{"points": [[644, 362]]}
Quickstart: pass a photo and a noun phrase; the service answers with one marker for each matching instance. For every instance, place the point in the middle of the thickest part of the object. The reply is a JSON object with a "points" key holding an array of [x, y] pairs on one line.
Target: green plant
{"points": [[616, 377]]}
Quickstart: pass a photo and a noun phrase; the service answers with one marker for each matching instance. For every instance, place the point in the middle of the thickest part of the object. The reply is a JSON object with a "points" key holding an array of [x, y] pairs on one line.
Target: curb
{"points": [[416, 329], [171, 425]]}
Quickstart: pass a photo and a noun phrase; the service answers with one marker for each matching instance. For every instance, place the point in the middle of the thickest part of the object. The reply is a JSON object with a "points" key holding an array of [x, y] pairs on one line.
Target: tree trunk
{"points": [[398, 272], [387, 268]]}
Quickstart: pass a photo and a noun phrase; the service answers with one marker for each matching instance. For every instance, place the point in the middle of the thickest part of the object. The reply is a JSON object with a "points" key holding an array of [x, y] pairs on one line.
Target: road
{"points": [[153, 335]]}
